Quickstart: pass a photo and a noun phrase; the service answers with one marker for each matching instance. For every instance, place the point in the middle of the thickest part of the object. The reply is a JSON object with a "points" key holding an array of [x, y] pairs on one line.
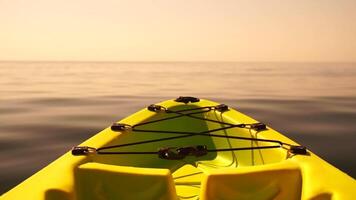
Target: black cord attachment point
{"points": [[222, 108], [258, 126], [120, 127], [83, 151], [187, 99], [197, 151], [171, 153], [156, 108], [302, 150]]}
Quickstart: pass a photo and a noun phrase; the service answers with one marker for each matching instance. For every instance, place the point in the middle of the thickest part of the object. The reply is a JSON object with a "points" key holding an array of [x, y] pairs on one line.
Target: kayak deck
{"points": [[271, 173], [188, 173], [186, 124]]}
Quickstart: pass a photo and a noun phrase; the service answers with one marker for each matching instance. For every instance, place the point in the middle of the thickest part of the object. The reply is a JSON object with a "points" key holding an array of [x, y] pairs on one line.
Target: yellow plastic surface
{"points": [[274, 181], [249, 174], [101, 181]]}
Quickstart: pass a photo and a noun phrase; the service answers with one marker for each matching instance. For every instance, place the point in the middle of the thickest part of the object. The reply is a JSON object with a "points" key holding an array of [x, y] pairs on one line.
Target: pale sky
{"points": [[178, 30]]}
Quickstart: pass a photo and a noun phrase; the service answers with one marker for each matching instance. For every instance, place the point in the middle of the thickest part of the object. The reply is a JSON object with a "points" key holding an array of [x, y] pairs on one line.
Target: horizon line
{"points": [[171, 61]]}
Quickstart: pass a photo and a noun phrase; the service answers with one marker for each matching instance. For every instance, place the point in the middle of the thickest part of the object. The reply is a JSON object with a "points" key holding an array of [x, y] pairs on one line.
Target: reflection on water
{"points": [[46, 108]]}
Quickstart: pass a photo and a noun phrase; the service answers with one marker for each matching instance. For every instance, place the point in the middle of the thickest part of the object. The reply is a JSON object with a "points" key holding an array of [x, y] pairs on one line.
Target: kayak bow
{"points": [[187, 148]]}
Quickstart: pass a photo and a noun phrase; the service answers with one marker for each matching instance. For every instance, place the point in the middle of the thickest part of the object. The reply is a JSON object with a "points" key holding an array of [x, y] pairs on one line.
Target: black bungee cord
{"points": [[174, 153]]}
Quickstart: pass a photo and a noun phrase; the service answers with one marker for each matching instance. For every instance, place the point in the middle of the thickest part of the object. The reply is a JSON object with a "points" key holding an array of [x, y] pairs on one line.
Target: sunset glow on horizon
{"points": [[164, 30]]}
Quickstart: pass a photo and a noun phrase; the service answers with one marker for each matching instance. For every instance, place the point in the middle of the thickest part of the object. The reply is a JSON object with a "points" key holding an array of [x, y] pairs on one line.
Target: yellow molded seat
{"points": [[275, 181], [102, 181]]}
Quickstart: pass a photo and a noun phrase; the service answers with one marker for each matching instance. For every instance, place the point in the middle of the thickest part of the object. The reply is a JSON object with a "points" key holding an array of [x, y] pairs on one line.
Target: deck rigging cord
{"points": [[175, 153]]}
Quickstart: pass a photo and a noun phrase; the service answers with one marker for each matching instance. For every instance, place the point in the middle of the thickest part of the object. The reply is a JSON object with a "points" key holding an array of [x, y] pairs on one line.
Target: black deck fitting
{"points": [[222, 108], [83, 151], [258, 126], [120, 127], [199, 150], [155, 108], [187, 99], [171, 153], [302, 150]]}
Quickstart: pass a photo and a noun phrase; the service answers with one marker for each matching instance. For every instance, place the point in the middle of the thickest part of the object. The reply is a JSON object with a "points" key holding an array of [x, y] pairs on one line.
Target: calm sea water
{"points": [[48, 107]]}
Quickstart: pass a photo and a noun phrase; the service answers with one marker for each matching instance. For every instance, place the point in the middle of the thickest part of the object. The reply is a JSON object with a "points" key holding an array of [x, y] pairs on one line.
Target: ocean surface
{"points": [[48, 107]]}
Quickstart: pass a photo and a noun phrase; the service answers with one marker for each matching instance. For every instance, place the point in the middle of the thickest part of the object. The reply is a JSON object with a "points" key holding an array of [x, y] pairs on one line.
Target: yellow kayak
{"points": [[187, 148]]}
